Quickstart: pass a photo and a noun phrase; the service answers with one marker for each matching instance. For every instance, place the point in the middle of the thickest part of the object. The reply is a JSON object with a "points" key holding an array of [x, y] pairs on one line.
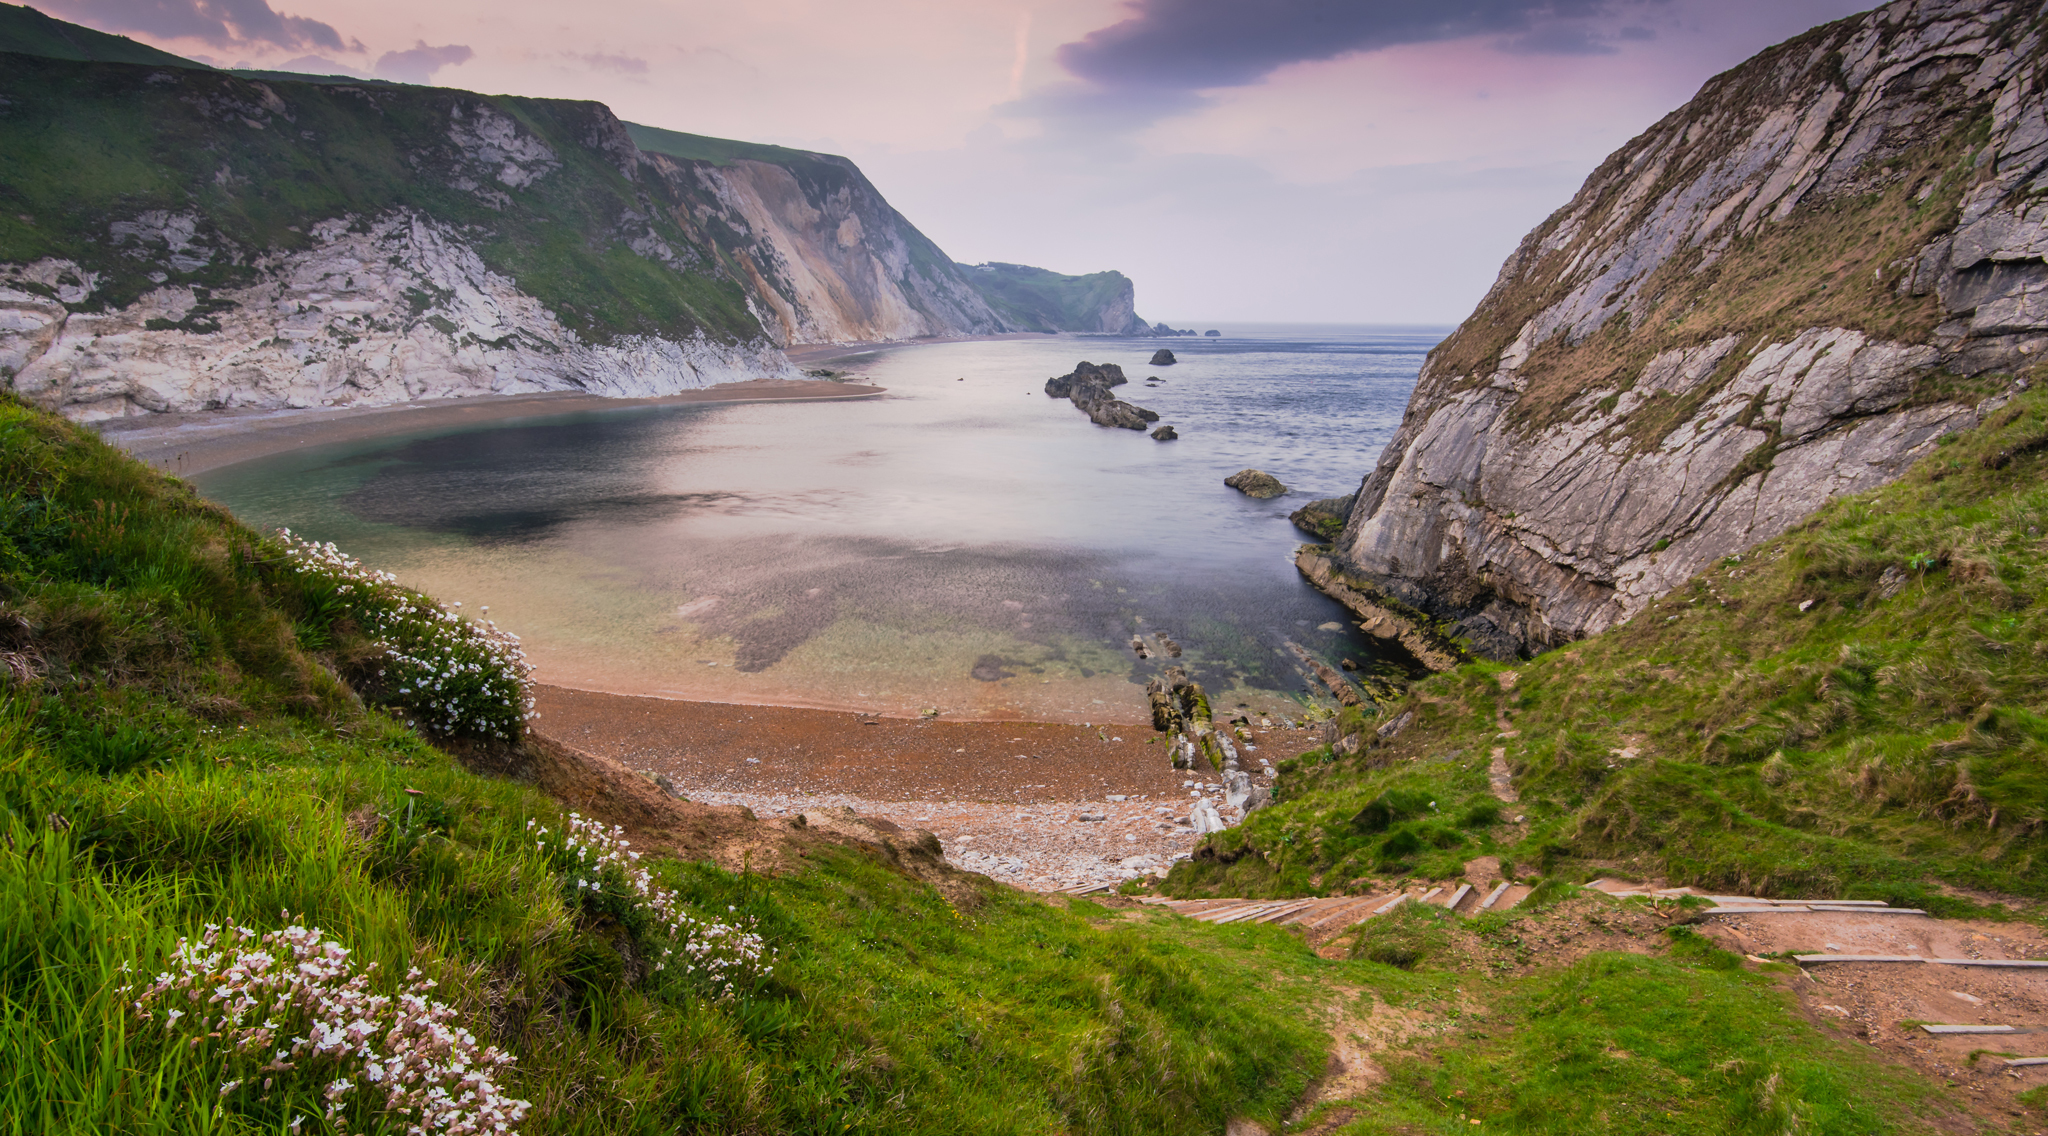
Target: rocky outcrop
{"points": [[1256, 483], [1166, 434], [1163, 358], [1787, 290], [1324, 519], [1088, 386], [374, 312]]}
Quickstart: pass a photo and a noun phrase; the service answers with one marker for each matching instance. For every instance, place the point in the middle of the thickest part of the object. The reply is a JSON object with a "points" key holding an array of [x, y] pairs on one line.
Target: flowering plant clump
{"points": [[450, 675], [596, 864], [249, 994]]}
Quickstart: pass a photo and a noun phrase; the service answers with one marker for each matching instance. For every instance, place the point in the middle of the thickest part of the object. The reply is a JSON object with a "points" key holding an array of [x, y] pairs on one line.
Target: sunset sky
{"points": [[1371, 161]]}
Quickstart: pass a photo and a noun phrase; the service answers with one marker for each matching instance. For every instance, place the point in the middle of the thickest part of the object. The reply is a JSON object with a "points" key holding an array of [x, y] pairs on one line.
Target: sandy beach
{"points": [[187, 444], [1037, 805]]}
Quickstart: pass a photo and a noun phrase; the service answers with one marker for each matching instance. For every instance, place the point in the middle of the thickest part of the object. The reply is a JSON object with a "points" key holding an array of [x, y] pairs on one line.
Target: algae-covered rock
{"points": [[1255, 483], [1323, 519]]}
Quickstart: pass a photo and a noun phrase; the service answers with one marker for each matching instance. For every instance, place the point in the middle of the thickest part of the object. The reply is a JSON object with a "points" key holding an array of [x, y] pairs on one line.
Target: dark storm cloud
{"points": [[226, 23], [1195, 44]]}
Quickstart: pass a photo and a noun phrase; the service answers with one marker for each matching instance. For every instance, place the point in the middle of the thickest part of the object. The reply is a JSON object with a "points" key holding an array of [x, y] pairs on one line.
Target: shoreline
{"points": [[1038, 805], [186, 444], [812, 354]]}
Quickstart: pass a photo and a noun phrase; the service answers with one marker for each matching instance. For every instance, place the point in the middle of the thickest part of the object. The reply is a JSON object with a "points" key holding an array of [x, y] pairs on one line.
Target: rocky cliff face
{"points": [[181, 239], [1787, 290]]}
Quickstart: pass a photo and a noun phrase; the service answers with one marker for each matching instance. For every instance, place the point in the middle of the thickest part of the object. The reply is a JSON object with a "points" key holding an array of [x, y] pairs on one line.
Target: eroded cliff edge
{"points": [[1789, 289]]}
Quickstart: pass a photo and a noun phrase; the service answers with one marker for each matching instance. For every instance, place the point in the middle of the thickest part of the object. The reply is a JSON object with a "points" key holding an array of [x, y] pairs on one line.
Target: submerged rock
{"points": [[1165, 434], [1163, 358], [1255, 483]]}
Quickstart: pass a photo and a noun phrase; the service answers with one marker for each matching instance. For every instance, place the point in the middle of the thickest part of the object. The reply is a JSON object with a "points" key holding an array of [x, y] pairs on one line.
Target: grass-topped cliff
{"points": [[1857, 708], [88, 147]]}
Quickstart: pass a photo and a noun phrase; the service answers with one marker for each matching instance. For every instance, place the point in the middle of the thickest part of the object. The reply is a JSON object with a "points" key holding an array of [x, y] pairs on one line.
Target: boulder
{"points": [[1324, 519], [1165, 434], [1254, 483], [1085, 374], [1163, 358]]}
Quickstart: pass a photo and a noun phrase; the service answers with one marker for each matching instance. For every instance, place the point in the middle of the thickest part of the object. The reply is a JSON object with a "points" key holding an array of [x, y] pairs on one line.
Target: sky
{"points": [[1355, 161]]}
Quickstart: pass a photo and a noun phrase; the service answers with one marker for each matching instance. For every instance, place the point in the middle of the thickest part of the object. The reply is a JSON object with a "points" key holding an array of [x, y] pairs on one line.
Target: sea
{"points": [[963, 544]]}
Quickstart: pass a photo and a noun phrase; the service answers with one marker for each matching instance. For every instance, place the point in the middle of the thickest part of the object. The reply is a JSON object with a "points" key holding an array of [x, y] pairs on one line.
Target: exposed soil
{"points": [[1883, 1004], [1006, 798]]}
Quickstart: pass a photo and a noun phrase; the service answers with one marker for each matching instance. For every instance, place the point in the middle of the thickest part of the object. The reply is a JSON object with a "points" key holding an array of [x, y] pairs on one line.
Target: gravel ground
{"points": [[1039, 806]]}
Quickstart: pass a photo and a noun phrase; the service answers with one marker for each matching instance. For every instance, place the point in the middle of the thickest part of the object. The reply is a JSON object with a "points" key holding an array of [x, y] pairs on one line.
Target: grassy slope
{"points": [[173, 753], [25, 30], [205, 766], [703, 148], [1886, 738], [85, 144], [1040, 299]]}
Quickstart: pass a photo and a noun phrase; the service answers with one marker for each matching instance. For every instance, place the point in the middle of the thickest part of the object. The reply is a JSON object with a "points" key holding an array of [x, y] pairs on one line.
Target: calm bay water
{"points": [[963, 543]]}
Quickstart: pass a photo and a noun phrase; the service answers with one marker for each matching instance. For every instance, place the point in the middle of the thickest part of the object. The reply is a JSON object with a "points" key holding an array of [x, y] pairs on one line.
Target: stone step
{"points": [[2021, 1062], [1946, 1031], [1493, 896]]}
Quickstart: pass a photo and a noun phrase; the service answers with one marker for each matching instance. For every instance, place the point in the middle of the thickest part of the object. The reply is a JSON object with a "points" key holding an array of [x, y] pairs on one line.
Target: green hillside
{"points": [[86, 145], [26, 31], [1039, 299], [1858, 708]]}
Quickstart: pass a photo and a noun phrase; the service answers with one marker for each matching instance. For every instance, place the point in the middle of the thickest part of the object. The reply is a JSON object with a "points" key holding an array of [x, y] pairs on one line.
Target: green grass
{"points": [[1887, 740], [1688, 1042], [1039, 299], [29, 32], [179, 746], [703, 148], [83, 145]]}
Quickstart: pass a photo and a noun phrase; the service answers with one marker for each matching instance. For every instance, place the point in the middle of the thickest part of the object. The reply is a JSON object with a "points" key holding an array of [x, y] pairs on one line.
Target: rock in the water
{"points": [[1163, 358], [1212, 333], [1085, 374], [1165, 434], [1254, 483], [1088, 386], [1323, 519]]}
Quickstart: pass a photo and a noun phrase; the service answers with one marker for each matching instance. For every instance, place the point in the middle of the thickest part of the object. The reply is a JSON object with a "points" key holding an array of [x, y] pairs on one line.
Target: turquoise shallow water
{"points": [[964, 543]]}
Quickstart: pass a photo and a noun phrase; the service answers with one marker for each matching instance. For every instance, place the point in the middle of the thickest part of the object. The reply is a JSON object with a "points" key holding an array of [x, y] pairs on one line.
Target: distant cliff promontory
{"points": [[179, 238], [1789, 289]]}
